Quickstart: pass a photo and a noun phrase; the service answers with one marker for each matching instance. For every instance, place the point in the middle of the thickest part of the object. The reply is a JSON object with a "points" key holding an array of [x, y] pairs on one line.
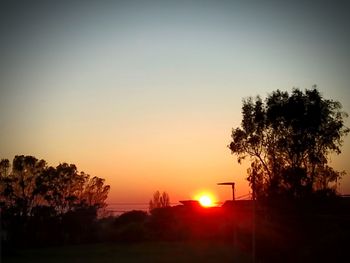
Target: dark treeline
{"points": [[178, 223], [285, 230], [311, 230], [39, 212], [45, 205]]}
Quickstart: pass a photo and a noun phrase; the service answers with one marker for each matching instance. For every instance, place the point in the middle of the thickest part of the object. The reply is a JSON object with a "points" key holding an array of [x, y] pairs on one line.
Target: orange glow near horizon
{"points": [[206, 199]]}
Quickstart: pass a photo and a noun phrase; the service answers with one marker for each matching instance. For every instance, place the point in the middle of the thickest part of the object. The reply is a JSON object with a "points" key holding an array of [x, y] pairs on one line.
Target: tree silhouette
{"points": [[32, 184], [95, 192], [42, 204], [159, 200], [288, 138], [19, 185]]}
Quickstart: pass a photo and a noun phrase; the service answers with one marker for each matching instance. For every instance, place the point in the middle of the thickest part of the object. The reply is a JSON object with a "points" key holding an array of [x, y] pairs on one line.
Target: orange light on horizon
{"points": [[205, 199]]}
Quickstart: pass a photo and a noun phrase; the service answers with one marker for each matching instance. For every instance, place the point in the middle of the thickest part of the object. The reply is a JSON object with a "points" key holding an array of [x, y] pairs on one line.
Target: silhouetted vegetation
{"points": [[288, 138], [159, 200], [311, 230], [44, 205], [294, 231]]}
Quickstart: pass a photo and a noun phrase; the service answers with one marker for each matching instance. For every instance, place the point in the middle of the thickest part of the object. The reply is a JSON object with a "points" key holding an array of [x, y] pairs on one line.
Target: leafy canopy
{"points": [[288, 138], [32, 185]]}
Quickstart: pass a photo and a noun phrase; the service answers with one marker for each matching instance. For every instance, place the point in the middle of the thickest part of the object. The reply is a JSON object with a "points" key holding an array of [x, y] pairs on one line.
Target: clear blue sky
{"points": [[145, 93]]}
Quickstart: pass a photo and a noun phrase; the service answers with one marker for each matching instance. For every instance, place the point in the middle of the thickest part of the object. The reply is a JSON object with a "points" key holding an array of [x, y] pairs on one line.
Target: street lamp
{"points": [[233, 188]]}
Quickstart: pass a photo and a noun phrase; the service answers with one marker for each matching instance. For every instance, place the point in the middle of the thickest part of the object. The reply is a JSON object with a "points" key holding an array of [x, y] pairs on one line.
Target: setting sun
{"points": [[205, 200]]}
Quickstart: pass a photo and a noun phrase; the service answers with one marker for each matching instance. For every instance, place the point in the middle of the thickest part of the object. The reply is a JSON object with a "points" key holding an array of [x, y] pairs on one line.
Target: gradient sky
{"points": [[145, 93]]}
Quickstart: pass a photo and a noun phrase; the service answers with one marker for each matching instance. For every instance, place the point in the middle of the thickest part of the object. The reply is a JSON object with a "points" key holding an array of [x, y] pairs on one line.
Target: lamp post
{"points": [[234, 222], [233, 188], [0, 236], [254, 219]]}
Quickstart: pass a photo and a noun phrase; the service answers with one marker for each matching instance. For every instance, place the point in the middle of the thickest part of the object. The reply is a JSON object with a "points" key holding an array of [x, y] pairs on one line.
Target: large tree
{"points": [[288, 138], [32, 184], [18, 186], [41, 204]]}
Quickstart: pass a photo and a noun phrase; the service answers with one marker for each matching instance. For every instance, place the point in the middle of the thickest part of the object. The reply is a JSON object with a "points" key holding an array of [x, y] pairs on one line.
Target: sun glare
{"points": [[206, 201]]}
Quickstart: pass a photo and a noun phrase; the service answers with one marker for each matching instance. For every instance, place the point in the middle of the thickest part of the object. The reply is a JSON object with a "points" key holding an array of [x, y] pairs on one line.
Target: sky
{"points": [[145, 93]]}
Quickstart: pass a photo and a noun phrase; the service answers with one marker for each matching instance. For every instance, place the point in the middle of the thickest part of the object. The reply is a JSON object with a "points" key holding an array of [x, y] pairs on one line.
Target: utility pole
{"points": [[233, 219], [0, 235], [254, 220]]}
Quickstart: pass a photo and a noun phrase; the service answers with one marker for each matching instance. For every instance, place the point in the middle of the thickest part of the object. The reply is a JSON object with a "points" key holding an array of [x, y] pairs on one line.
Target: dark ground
{"points": [[204, 252]]}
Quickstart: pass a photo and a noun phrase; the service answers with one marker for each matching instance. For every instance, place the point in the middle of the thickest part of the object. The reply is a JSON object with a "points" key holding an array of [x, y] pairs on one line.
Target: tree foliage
{"points": [[43, 205], [159, 200], [288, 138], [32, 184]]}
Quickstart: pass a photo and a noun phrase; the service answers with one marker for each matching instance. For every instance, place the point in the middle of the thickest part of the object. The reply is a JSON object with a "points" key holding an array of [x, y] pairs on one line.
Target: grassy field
{"points": [[203, 252]]}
